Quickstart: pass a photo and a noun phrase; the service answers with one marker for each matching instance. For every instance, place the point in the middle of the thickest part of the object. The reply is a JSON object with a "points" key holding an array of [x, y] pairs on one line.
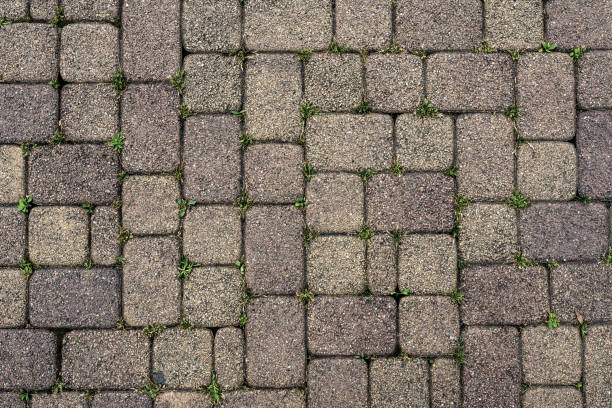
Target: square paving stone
{"points": [[229, 357], [183, 358], [108, 359], [28, 359], [597, 362], [212, 296], [485, 156], [594, 70], [43, 9], [579, 22], [89, 52], [594, 144], [398, 383], [149, 204], [90, 10], [272, 97], [105, 247], [151, 292], [151, 47], [264, 398], [428, 325], [274, 250], [211, 158], [74, 298], [12, 236], [212, 25], [11, 400], [363, 24], [335, 265], [212, 83], [182, 399], [564, 231], [545, 96], [151, 128], [28, 52], [394, 83], [67, 399], [12, 10], [273, 172], [413, 202], [212, 235], [382, 274], [547, 171], [492, 372], [424, 143], [349, 142], [132, 399], [351, 325], [12, 298], [445, 383], [438, 24], [504, 294], [11, 174], [89, 112], [551, 356], [468, 82], [557, 397], [340, 382], [29, 112], [427, 264], [73, 174], [58, 235], [514, 24], [333, 81], [276, 349], [291, 25]]}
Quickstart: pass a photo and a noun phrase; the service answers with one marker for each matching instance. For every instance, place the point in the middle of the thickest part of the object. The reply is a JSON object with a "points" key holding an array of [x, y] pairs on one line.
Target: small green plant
{"points": [[184, 206], [185, 324], [58, 137], [243, 202], [365, 233], [518, 139], [304, 55], [363, 107], [307, 171], [607, 259], [120, 325], [242, 320], [25, 395], [3, 22], [122, 175], [578, 385], [365, 174], [521, 261], [125, 235], [54, 83], [552, 321], [421, 54], [461, 263], [25, 204], [27, 269], [305, 296], [461, 203], [239, 113], [459, 353], [367, 293], [117, 203], [185, 111], [512, 112], [58, 20], [516, 54], [117, 142], [426, 109], [552, 264], [242, 54], [58, 387], [577, 53], [118, 83], [484, 47], [456, 296], [153, 330], [214, 391], [547, 47], [308, 235], [241, 265], [153, 390], [116, 22], [394, 48], [583, 327], [307, 111], [178, 81], [404, 292], [452, 171], [88, 208], [88, 264], [301, 203], [26, 148], [397, 169], [364, 357], [336, 48], [245, 141], [185, 267], [121, 260], [583, 200], [518, 200], [398, 237]]}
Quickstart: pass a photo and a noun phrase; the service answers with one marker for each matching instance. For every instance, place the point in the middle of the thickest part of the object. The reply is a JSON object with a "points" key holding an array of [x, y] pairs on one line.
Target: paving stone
{"points": [[28, 359], [212, 83], [89, 112], [151, 292], [11, 400], [445, 383], [212, 25], [397, 383], [212, 235], [394, 82], [273, 172], [183, 358], [349, 142], [151, 127], [593, 72], [90, 10], [333, 81], [564, 231], [276, 350], [14, 9], [438, 24], [597, 362], [491, 374], [411, 202], [351, 325], [89, 52], [488, 233], [263, 398], [545, 96], [424, 143], [12, 236], [61, 400], [339, 382], [594, 143], [211, 158], [336, 265], [381, 273], [11, 174], [551, 356], [468, 82], [565, 397], [149, 204], [363, 24], [581, 288], [132, 399], [105, 247], [43, 9], [272, 97], [229, 357], [108, 359], [504, 294], [291, 25], [58, 235], [12, 298], [547, 171], [485, 156], [28, 52], [73, 174], [151, 39], [75, 298], [29, 112], [579, 22], [427, 264], [179, 399], [273, 249], [514, 25], [213, 296]]}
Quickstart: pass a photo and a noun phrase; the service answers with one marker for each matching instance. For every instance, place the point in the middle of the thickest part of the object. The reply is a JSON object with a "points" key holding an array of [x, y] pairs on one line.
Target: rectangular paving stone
{"points": [[397, 383], [12, 298], [594, 144], [12, 176], [29, 112], [551, 356], [413, 202], [514, 25], [264, 398], [229, 357], [212, 235], [129, 399], [151, 128], [349, 142], [64, 399], [73, 174], [28, 359], [545, 96], [567, 397], [111, 359], [424, 143], [276, 349], [351, 325], [504, 294], [394, 82], [579, 22], [445, 383], [212, 25], [149, 204], [363, 24], [597, 362], [105, 247], [564, 231], [337, 382], [11, 400], [29, 52], [89, 112], [14, 9], [43, 9], [468, 82], [381, 264], [12, 236], [594, 70], [180, 399], [332, 82], [91, 10], [547, 171]]}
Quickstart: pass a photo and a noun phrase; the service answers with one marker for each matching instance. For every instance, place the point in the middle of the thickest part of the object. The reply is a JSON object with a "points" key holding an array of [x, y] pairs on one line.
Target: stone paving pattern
{"points": [[331, 203]]}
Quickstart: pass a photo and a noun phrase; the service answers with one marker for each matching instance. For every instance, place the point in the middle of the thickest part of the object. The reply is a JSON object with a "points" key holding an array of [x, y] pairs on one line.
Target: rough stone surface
{"points": [[212, 235], [212, 25], [43, 9], [427, 264], [28, 359], [11, 174], [13, 10], [89, 112], [29, 112], [397, 383], [11, 400], [424, 143], [28, 52], [394, 82], [91, 10], [341, 382], [105, 247], [547, 171], [594, 144], [180, 399], [133, 399], [584, 22], [597, 362], [566, 397], [381, 272], [264, 398], [445, 383], [60, 400], [12, 236], [149, 204], [514, 25], [12, 298], [363, 24], [333, 81], [594, 70], [229, 357]]}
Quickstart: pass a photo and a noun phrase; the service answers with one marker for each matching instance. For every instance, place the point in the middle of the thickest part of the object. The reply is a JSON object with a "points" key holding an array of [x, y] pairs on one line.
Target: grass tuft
{"points": [[245, 141], [243, 202], [185, 111], [577, 53], [304, 55], [153, 330], [518, 200], [512, 112], [521, 261], [365, 174], [214, 391], [26, 148], [308, 235], [185, 324], [394, 48], [398, 237], [54, 83], [516, 54], [25, 204], [547, 47], [426, 109], [117, 142], [124, 235], [305, 296], [552, 321], [456, 296], [185, 267], [484, 47], [365, 233], [336, 48], [301, 203], [27, 268], [58, 137], [363, 107], [58, 20], [184, 206], [178, 81], [459, 353], [153, 390], [452, 171], [307, 111], [118, 83]]}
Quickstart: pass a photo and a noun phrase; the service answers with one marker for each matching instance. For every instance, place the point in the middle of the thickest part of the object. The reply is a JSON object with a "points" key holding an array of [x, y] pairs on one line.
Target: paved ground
{"points": [[265, 203]]}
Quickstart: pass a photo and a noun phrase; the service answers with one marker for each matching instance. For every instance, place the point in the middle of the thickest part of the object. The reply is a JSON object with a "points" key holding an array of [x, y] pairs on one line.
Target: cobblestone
{"points": [[29, 52], [337, 381], [28, 359], [29, 113]]}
